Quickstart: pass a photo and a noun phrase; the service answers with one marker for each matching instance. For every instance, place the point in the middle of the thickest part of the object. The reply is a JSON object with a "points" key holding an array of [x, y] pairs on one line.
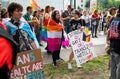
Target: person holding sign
{"points": [[20, 30], [76, 24]]}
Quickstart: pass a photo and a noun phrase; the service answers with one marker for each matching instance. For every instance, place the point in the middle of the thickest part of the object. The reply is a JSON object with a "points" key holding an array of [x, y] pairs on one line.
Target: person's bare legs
{"points": [[71, 57], [70, 60]]}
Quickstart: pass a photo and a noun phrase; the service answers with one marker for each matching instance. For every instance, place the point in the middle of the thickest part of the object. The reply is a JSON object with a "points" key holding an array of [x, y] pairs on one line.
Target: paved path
{"points": [[99, 45]]}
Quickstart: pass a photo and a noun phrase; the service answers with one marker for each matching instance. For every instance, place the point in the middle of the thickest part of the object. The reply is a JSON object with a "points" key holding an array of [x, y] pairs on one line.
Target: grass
{"points": [[90, 68]]}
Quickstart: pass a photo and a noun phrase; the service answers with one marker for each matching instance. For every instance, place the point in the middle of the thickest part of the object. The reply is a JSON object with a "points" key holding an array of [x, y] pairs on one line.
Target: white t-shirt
{"points": [[86, 18]]}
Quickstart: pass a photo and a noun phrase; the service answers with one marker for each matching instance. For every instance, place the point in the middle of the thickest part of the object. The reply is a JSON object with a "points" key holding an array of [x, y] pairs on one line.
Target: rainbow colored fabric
{"points": [[86, 35], [86, 38], [34, 4], [44, 36], [54, 31]]}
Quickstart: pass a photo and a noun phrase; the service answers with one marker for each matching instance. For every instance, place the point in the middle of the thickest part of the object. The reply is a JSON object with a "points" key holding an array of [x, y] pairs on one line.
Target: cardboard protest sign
{"points": [[83, 51], [29, 65]]}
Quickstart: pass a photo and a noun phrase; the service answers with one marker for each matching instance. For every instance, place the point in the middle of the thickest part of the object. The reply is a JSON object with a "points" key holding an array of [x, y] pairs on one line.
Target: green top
{"points": [[27, 17]]}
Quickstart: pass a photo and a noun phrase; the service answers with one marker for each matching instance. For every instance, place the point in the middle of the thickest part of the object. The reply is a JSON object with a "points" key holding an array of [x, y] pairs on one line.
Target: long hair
{"points": [[45, 11], [95, 12], [34, 13], [54, 16]]}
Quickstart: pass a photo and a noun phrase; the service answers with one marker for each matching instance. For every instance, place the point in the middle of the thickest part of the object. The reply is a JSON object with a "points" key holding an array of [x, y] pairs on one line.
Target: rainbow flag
{"points": [[44, 36], [34, 4], [54, 32], [86, 35]]}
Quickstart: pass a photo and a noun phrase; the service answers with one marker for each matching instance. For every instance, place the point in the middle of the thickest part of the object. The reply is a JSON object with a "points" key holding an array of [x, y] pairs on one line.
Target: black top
{"points": [[64, 15], [21, 37], [76, 24], [115, 42]]}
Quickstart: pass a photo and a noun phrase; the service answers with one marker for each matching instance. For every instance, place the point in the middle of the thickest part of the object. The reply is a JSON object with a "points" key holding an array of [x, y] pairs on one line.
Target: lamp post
{"points": [[75, 4]]}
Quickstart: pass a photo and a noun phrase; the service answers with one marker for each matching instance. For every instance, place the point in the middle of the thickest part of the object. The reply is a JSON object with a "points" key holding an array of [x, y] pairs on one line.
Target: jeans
{"points": [[88, 25], [114, 65], [94, 29]]}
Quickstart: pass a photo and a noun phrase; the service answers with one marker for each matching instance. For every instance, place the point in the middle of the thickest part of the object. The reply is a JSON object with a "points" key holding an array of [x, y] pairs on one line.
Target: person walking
{"points": [[76, 24]]}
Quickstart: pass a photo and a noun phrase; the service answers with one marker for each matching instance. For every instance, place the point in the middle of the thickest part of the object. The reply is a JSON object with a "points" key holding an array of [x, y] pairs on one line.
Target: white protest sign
{"points": [[83, 51]]}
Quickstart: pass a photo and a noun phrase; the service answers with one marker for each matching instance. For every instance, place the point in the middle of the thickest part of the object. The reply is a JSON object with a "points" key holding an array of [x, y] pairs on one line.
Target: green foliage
{"points": [[104, 4], [87, 5], [99, 6], [110, 3], [79, 9]]}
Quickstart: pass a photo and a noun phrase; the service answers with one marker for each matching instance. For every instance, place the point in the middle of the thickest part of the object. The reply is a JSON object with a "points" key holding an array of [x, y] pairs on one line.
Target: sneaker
{"points": [[79, 66], [60, 60], [69, 66], [55, 64]]}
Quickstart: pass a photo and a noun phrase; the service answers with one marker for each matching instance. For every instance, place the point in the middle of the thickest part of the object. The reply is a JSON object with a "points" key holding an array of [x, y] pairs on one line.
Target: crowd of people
{"points": [[26, 31]]}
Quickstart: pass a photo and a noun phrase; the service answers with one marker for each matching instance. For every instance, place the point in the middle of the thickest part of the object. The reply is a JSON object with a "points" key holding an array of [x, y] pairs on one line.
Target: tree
{"points": [[79, 9], [111, 3], [99, 5], [87, 5]]}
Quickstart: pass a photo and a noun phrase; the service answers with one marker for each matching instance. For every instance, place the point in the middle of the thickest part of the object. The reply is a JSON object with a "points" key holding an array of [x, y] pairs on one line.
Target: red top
{"points": [[95, 16], [5, 51]]}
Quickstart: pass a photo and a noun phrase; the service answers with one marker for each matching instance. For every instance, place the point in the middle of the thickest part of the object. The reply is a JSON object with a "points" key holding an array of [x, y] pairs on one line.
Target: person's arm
{"points": [[36, 22], [83, 24], [65, 17], [107, 37], [107, 46], [27, 19], [33, 45]]}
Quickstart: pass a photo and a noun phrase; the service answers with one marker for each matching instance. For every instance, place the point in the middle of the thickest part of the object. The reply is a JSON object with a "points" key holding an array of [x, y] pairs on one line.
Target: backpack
{"points": [[114, 29]]}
